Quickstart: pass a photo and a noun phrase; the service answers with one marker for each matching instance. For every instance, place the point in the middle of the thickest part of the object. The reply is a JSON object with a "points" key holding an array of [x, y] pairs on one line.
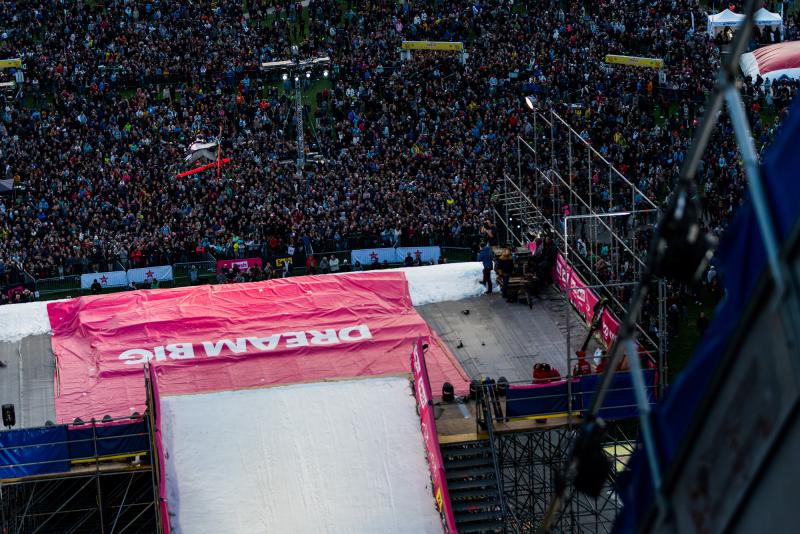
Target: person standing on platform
{"points": [[486, 256]]}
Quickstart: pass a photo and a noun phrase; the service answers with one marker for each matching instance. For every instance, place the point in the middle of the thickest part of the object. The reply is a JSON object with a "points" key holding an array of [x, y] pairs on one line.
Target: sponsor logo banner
{"points": [[584, 301], [106, 279], [422, 392], [10, 63], [244, 264], [432, 45], [234, 336], [632, 61]]}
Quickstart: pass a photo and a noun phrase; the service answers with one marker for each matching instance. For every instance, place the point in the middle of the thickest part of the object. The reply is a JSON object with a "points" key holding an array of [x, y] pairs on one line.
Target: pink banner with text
{"points": [[422, 392], [584, 300], [235, 336]]}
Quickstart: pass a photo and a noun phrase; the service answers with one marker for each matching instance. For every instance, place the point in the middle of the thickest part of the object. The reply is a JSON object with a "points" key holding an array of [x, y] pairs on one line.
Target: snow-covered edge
{"points": [[427, 284]]}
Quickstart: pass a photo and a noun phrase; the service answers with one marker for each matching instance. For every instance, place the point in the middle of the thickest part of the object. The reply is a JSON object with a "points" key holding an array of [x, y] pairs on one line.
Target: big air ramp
{"points": [[332, 457]]}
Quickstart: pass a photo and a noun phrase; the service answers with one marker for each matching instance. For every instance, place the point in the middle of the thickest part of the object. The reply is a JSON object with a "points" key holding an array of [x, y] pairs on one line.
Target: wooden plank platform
{"points": [[456, 422]]}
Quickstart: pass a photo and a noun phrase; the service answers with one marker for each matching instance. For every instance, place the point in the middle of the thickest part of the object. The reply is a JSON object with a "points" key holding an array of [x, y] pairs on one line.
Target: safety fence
{"points": [[204, 269]]}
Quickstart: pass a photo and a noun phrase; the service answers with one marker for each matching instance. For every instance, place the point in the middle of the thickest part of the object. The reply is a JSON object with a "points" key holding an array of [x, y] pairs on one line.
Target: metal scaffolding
{"points": [[601, 221], [530, 463], [108, 488]]}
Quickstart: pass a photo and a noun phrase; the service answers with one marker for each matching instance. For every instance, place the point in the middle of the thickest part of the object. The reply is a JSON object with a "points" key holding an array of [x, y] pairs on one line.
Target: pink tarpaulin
{"points": [[213, 338]]}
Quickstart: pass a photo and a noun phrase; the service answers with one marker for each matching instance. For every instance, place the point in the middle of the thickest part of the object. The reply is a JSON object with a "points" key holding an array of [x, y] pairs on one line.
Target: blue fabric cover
{"points": [[741, 259]]}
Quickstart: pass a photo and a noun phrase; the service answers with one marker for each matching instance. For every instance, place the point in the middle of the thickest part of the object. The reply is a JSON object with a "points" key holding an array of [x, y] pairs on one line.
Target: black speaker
{"points": [[9, 415], [502, 386], [448, 393], [473, 389]]}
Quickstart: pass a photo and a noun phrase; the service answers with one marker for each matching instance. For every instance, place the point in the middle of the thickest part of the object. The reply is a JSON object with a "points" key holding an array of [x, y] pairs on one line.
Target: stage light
{"points": [[529, 102], [297, 78], [448, 393], [308, 74], [9, 415], [78, 421], [285, 76], [106, 418], [135, 415], [325, 73]]}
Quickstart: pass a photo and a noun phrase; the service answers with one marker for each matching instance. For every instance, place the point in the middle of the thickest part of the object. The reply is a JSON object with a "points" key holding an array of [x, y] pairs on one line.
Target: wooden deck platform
{"points": [[456, 422]]}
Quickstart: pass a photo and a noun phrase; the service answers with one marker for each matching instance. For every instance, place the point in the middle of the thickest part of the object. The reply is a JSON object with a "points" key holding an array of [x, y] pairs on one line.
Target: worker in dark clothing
{"points": [[486, 257]]}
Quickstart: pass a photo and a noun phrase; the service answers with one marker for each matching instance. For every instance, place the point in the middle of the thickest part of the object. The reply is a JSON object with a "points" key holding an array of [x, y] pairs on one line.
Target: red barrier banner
{"points": [[422, 392], [244, 264], [584, 300], [234, 336]]}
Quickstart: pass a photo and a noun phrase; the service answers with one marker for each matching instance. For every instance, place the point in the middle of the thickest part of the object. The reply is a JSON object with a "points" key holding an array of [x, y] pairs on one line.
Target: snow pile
{"points": [[22, 320], [329, 457], [443, 283]]}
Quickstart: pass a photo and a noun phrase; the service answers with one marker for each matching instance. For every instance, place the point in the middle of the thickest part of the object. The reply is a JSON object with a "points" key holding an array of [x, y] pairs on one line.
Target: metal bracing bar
{"points": [[27, 507], [122, 504], [604, 159], [758, 195], [66, 502], [599, 217], [133, 520]]}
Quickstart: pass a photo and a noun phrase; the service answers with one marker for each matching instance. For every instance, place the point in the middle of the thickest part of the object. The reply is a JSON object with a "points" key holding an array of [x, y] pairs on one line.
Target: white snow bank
{"points": [[21, 320], [426, 284], [330, 457], [443, 283]]}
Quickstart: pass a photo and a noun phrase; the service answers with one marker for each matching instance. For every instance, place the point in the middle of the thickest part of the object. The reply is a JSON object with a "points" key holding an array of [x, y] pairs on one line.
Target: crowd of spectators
{"points": [[413, 150]]}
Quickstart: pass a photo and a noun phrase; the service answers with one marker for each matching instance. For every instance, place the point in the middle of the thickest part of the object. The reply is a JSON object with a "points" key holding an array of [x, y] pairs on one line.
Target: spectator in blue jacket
{"points": [[487, 256]]}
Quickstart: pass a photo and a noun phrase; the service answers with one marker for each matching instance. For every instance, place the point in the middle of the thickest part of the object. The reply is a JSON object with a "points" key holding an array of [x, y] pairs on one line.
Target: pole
{"points": [[568, 287], [301, 148]]}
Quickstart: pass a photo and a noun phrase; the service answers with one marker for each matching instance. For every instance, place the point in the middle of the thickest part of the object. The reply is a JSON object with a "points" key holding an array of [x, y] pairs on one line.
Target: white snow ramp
{"points": [[334, 457]]}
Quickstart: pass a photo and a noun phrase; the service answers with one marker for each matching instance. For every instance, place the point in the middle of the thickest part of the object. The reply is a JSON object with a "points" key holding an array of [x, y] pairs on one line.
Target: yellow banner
{"points": [[280, 261], [9, 63], [631, 61], [432, 45]]}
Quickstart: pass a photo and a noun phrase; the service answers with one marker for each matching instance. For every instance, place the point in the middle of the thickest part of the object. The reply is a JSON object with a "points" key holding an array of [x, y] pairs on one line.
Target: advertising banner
{"points": [[584, 300], [234, 336], [162, 273], [13, 63], [244, 264], [422, 392], [433, 45], [632, 61], [106, 279], [368, 256]]}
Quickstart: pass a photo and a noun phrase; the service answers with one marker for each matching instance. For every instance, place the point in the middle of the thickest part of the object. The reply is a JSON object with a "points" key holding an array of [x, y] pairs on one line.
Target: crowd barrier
{"points": [[53, 449], [554, 398]]}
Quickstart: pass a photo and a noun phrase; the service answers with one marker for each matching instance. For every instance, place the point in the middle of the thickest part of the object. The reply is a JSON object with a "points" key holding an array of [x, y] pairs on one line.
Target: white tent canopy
{"points": [[723, 19], [729, 19], [763, 17]]}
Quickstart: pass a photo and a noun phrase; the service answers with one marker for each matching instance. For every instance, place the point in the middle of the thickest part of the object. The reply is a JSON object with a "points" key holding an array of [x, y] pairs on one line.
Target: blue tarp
{"points": [[522, 401], [620, 403], [742, 262], [33, 451], [111, 440]]}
